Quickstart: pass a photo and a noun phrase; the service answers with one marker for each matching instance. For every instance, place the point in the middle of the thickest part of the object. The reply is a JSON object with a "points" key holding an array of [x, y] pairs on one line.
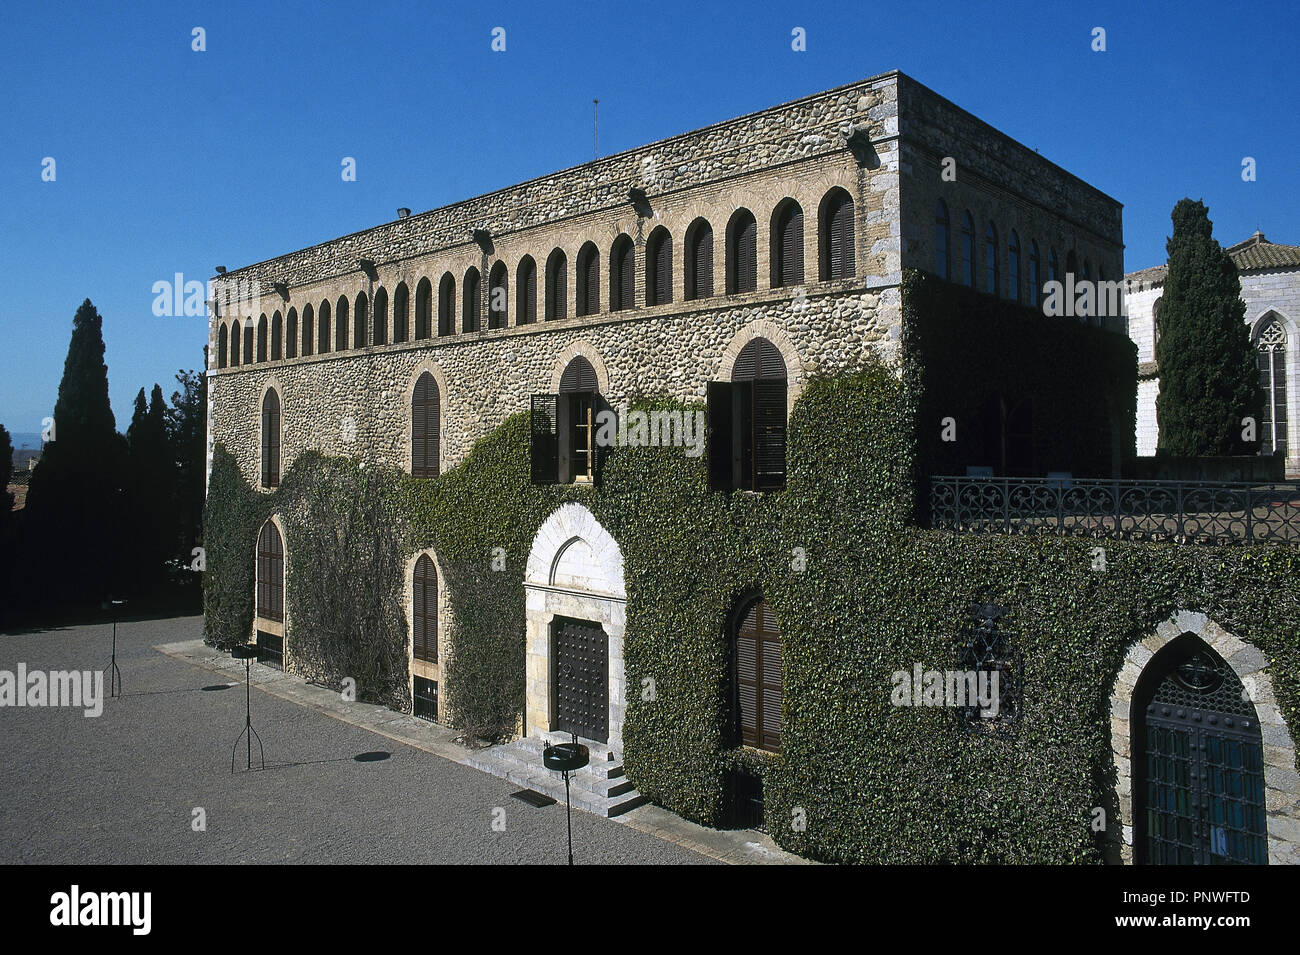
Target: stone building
{"points": [[1270, 287], [727, 266]]}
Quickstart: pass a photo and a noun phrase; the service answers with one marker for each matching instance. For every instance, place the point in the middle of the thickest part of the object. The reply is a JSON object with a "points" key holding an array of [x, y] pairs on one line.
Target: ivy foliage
{"points": [[859, 591]]}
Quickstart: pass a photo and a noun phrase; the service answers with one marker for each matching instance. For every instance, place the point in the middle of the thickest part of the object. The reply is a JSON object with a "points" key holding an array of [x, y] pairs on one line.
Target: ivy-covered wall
{"points": [[859, 592]]}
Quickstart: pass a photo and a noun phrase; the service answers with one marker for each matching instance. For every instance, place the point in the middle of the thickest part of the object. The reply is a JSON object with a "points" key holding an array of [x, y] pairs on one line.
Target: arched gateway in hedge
{"points": [[1205, 765], [575, 619]]}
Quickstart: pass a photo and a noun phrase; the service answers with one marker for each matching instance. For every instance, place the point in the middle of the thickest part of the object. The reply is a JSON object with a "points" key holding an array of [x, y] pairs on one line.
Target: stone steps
{"points": [[600, 787]]}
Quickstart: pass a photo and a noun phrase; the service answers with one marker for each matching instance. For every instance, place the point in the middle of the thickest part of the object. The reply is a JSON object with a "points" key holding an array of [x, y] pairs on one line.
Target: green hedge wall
{"points": [[875, 783]]}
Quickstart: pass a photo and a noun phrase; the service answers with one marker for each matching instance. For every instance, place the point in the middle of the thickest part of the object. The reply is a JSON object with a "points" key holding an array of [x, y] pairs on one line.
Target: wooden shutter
{"points": [[271, 439], [663, 272], [270, 573], [791, 247], [704, 262], [747, 257], [579, 375], [425, 611], [624, 294], [527, 304], [841, 240], [758, 678], [592, 280], [769, 434], [718, 398], [425, 427], [545, 439]]}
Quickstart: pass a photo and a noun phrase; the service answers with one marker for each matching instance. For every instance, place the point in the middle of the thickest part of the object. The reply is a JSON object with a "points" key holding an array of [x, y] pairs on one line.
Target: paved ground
{"points": [[123, 787]]}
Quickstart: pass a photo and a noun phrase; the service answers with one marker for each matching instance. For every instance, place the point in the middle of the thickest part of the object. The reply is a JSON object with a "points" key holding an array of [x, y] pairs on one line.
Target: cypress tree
{"points": [[74, 523], [1208, 376]]}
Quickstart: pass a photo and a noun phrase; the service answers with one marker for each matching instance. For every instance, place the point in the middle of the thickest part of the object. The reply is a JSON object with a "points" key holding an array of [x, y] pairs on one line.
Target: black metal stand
{"points": [[567, 758], [114, 673], [247, 653]]}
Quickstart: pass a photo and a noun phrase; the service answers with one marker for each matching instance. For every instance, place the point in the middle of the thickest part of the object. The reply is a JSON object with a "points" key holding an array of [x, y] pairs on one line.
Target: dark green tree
{"points": [[6, 472], [153, 494], [1208, 376], [187, 431], [75, 523]]}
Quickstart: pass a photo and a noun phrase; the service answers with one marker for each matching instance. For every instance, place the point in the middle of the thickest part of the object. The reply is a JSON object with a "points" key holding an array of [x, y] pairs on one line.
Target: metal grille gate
{"points": [[580, 677], [1204, 769]]}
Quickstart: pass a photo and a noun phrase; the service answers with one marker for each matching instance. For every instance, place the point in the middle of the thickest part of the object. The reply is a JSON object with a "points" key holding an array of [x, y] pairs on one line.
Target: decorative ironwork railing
{"points": [[1187, 511]]}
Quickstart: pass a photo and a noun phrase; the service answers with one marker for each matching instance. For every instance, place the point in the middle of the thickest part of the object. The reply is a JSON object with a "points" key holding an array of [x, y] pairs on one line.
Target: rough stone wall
{"points": [[998, 180], [484, 380]]}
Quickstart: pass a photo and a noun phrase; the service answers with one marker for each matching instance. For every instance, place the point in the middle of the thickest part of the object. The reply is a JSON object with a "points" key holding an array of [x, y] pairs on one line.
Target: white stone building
{"points": [[1270, 287]]}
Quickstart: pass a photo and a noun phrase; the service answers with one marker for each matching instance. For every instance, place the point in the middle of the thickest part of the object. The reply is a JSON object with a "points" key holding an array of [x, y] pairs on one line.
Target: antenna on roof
{"points": [[595, 127]]}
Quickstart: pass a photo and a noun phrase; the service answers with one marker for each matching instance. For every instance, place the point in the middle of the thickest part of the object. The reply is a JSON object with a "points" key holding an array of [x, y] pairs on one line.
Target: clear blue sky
{"points": [[172, 161]]}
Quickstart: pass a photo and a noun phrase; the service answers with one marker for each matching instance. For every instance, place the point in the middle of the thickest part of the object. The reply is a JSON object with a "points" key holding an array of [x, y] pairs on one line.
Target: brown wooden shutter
{"points": [[425, 610], [341, 325], [758, 678], [592, 285], [425, 415], [747, 257], [579, 375], [526, 307], [545, 442], [841, 265], [718, 399], [271, 439], [270, 573], [769, 434], [704, 262], [790, 263], [663, 272]]}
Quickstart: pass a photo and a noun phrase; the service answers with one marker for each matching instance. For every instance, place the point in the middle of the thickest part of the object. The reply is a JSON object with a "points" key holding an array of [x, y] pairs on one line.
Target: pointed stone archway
{"points": [[1281, 780], [574, 573]]}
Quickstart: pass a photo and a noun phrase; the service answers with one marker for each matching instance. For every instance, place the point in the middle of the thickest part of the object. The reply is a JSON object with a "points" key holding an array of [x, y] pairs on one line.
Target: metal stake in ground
{"points": [[246, 653], [114, 674], [566, 758]]}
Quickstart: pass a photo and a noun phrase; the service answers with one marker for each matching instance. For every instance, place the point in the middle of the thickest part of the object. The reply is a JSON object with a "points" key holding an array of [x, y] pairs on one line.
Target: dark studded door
{"points": [[580, 676], [1203, 790]]}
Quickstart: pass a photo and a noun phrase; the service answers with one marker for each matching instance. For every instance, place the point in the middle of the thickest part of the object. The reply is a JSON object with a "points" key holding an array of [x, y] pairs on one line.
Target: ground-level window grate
{"points": [[426, 699], [744, 805], [270, 649]]}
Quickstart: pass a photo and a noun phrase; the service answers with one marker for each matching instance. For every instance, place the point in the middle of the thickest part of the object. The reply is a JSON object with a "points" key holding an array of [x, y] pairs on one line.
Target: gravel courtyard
{"points": [[124, 787]]}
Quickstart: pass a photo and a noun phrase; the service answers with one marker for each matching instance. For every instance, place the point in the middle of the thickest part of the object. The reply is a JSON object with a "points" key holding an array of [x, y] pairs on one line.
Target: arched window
{"points": [[1013, 266], [401, 312], [446, 305], [835, 236], [381, 316], [659, 267], [341, 324], [622, 267], [291, 334], [248, 340], [271, 439], [526, 291], [747, 421], [270, 573], [1271, 344], [308, 327], [425, 428], [787, 245], [1053, 266], [698, 260], [967, 250], [361, 321], [234, 343], [588, 280], [1071, 263], [498, 316], [564, 428], [992, 277], [223, 342], [942, 249], [742, 253], [557, 285], [424, 611], [424, 309], [277, 336], [261, 338], [470, 304], [1087, 270], [1035, 286], [756, 676], [323, 328]]}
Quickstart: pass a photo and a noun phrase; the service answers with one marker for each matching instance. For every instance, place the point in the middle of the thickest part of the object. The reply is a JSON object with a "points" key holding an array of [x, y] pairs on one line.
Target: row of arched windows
{"points": [[358, 322], [1026, 272]]}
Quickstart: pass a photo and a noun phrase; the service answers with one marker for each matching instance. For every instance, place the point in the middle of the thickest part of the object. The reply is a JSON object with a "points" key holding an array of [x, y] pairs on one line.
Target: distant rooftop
{"points": [[1255, 254]]}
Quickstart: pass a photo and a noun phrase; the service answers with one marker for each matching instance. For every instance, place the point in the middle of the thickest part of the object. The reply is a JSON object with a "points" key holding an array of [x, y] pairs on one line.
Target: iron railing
{"points": [[1186, 511]]}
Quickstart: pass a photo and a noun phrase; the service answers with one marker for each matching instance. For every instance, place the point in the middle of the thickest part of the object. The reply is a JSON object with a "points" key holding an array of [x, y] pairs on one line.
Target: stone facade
{"points": [[879, 142], [1270, 287]]}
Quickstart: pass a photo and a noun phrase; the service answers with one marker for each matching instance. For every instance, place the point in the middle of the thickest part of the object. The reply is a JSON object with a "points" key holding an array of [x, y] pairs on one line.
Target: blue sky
{"points": [[169, 160]]}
